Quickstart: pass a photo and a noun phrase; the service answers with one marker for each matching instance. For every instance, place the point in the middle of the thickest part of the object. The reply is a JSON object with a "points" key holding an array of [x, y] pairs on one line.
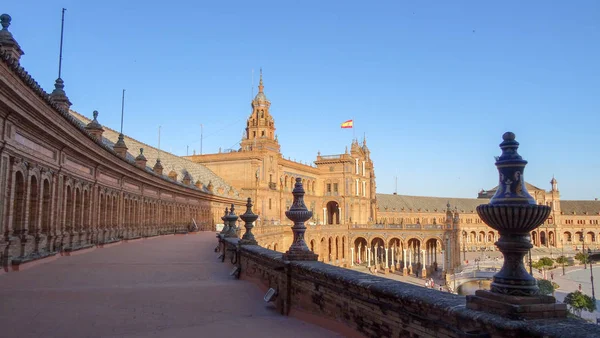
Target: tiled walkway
{"points": [[170, 286]]}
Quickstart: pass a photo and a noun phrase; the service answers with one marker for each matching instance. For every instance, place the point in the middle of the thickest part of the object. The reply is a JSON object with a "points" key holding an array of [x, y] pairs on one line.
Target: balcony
{"points": [[272, 185]]}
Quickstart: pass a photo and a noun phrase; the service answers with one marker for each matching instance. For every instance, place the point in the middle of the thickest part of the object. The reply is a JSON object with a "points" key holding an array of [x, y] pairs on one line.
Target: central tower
{"points": [[260, 127]]}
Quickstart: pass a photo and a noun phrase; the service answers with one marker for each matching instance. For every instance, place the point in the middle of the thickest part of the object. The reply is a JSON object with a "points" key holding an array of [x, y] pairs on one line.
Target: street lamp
{"points": [[591, 274], [583, 248], [563, 256]]}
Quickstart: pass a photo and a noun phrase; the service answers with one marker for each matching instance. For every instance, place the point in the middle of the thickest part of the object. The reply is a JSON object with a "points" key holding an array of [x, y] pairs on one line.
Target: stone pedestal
{"points": [[516, 307], [404, 271]]}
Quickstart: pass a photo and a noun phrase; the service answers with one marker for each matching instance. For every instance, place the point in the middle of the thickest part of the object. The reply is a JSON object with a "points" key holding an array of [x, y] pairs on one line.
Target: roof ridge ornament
{"points": [[8, 43]]}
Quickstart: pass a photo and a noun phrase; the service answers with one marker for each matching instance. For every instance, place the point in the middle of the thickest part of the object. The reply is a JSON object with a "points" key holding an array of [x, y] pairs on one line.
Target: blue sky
{"points": [[432, 84]]}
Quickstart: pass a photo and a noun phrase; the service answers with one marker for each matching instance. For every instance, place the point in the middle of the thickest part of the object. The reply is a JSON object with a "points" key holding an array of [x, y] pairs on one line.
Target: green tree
{"points": [[546, 286], [562, 260], [543, 264], [579, 301], [582, 258]]}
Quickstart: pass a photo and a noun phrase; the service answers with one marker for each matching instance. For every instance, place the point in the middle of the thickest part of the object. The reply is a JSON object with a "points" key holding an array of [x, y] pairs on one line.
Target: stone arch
{"points": [[18, 201], [330, 248], [312, 245], [337, 248], [377, 245], [543, 238], [590, 237], [78, 212], [46, 207], [567, 236], [275, 247], [414, 246], [333, 212], [323, 249], [534, 238], [552, 238], [344, 247]]}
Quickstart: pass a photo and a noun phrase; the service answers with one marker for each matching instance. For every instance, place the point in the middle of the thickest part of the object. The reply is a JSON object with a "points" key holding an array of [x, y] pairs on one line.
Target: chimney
{"points": [[140, 160], [8, 44]]}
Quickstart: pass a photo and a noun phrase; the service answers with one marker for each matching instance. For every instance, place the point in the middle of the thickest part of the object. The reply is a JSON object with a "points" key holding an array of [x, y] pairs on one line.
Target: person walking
{"points": [[552, 275], [579, 287]]}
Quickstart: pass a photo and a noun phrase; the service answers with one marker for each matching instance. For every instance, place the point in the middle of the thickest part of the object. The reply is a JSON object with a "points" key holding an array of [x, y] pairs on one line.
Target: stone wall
{"points": [[359, 304]]}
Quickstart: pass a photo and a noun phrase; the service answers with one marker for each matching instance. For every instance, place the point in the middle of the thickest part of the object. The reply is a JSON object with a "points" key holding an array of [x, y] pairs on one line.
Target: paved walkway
{"points": [[170, 286]]}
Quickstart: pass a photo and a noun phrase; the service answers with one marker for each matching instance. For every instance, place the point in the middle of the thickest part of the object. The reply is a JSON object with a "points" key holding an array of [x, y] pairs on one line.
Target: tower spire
{"points": [[58, 95], [260, 83]]}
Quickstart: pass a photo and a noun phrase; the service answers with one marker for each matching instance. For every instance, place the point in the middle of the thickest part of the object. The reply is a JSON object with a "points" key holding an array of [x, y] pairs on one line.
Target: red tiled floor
{"points": [[166, 287]]}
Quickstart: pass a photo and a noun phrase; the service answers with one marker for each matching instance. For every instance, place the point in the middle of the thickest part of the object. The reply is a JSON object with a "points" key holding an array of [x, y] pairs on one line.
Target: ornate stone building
{"points": [[69, 183]]}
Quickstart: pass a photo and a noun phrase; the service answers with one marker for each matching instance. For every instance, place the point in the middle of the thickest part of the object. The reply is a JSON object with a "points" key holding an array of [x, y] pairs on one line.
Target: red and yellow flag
{"points": [[348, 124]]}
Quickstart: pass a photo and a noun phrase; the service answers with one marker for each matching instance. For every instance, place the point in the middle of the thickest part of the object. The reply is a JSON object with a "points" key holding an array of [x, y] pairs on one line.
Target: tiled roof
{"points": [[580, 207], [530, 187], [169, 161], [426, 203]]}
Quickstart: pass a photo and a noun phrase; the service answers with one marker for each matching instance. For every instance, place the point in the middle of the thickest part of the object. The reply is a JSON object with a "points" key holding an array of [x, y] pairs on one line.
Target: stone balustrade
{"points": [[355, 303]]}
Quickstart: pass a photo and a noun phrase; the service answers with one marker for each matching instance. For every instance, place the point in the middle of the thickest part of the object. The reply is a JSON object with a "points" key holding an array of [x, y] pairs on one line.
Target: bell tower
{"points": [[260, 127]]}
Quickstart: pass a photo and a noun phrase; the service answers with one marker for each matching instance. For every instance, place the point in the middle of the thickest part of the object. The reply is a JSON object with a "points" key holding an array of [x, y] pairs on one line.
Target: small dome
{"points": [[261, 97]]}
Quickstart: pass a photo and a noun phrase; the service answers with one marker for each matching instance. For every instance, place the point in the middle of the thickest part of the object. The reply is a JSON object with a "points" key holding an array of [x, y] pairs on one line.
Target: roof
{"points": [[580, 207], [530, 187], [427, 204], [169, 161]]}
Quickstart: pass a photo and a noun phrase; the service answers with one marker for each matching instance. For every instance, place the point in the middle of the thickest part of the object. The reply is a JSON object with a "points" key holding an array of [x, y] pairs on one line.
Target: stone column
{"points": [[375, 252], [424, 270], [324, 215], [358, 254], [351, 256], [386, 259], [405, 268], [368, 257], [443, 261], [392, 256]]}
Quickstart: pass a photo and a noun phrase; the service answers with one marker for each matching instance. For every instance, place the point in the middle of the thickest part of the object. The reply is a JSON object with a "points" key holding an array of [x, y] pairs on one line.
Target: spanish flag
{"points": [[348, 124]]}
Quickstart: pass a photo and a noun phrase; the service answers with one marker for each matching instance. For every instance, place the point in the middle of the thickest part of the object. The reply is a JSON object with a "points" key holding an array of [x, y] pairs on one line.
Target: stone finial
{"points": [[140, 160], [59, 97], [249, 218], [158, 168], [120, 146], [187, 178], [210, 186], [299, 214], [198, 184], [225, 222], [514, 214], [94, 127], [8, 44], [173, 175], [511, 186], [231, 218]]}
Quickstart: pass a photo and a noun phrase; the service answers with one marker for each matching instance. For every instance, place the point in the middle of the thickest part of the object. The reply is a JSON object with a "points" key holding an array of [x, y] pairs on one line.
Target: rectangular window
{"points": [[335, 187], [328, 187], [269, 204]]}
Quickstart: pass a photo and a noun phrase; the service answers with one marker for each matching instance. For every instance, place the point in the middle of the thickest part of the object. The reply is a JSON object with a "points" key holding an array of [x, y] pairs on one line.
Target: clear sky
{"points": [[432, 84]]}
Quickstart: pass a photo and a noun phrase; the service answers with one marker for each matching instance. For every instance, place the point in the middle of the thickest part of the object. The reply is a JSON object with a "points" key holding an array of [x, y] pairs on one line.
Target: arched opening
{"points": [[567, 237], [360, 249], [333, 213], [590, 237], [69, 212], [414, 256], [275, 247], [551, 238], [534, 238], [19, 203], [46, 204], [378, 252], [33, 204], [330, 250], [431, 253], [337, 248], [87, 210], [312, 245], [543, 238], [78, 222], [395, 248], [343, 247]]}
